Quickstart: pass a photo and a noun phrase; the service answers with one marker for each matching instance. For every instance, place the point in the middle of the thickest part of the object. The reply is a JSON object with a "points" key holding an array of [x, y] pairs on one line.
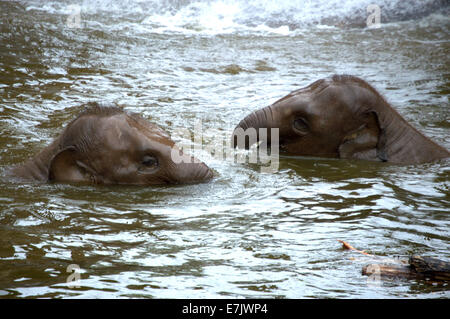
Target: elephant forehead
{"points": [[290, 105], [115, 132], [133, 136], [331, 102], [150, 130], [329, 115]]}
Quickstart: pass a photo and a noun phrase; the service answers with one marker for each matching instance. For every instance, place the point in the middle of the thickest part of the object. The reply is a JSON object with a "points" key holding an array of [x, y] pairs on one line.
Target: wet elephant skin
{"points": [[339, 117], [107, 145]]}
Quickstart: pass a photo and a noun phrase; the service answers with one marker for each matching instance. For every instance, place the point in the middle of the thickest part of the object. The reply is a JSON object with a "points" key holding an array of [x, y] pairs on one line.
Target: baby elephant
{"points": [[106, 145], [338, 117]]}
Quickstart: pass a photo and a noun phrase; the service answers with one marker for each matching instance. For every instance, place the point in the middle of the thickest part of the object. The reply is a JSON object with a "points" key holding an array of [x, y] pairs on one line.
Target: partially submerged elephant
{"points": [[106, 145], [339, 117]]}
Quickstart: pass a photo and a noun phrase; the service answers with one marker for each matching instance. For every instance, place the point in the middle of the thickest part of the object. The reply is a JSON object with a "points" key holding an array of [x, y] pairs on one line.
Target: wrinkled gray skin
{"points": [[106, 145], [341, 117]]}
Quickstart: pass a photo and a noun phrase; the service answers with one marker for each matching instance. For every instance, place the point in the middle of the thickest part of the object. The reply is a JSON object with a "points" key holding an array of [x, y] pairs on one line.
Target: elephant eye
{"points": [[149, 162], [300, 126]]}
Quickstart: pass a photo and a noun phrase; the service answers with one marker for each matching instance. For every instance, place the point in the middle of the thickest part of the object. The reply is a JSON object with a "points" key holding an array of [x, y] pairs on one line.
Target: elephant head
{"points": [[106, 145], [339, 117]]}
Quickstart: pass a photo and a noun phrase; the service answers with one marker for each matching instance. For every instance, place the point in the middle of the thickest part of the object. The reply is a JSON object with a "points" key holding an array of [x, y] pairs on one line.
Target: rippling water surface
{"points": [[246, 233]]}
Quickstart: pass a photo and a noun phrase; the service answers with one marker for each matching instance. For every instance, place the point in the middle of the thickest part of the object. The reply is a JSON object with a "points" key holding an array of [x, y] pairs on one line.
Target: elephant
{"points": [[341, 116], [108, 145]]}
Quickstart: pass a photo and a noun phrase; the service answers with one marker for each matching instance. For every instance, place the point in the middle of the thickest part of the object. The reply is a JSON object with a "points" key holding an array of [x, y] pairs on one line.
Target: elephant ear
{"points": [[64, 167], [367, 142]]}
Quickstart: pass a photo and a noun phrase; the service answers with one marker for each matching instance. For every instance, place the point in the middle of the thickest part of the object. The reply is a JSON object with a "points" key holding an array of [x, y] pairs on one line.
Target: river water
{"points": [[247, 233]]}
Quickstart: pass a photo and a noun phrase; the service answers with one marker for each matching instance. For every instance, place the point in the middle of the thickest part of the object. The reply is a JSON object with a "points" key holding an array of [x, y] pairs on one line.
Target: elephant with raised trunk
{"points": [[339, 117], [107, 145]]}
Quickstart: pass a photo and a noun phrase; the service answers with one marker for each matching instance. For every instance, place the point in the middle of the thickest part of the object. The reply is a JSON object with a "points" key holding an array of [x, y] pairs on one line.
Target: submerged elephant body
{"points": [[340, 117], [106, 145]]}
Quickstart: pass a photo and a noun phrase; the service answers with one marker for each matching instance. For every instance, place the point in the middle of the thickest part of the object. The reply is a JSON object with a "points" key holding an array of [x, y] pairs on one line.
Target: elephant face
{"points": [[114, 147], [325, 119]]}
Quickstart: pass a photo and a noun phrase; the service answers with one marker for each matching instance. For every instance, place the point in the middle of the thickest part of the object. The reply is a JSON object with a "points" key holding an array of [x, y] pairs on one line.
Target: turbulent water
{"points": [[246, 233]]}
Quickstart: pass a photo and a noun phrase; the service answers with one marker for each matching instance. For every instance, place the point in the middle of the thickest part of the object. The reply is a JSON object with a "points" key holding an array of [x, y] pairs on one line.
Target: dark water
{"points": [[246, 233]]}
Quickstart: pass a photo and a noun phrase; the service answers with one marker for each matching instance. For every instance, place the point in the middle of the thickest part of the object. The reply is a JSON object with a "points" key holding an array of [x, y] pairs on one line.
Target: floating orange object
{"points": [[350, 247]]}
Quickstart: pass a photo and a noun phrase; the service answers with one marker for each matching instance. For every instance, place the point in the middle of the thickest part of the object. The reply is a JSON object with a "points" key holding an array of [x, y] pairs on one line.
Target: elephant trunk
{"points": [[186, 169], [198, 172], [253, 128], [190, 173]]}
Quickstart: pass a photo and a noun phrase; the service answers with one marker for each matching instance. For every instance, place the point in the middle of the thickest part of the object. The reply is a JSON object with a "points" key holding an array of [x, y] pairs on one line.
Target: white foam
{"points": [[227, 16], [208, 17]]}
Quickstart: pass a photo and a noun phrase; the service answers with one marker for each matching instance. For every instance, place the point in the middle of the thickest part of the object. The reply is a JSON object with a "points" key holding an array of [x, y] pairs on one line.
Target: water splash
{"points": [[228, 16]]}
